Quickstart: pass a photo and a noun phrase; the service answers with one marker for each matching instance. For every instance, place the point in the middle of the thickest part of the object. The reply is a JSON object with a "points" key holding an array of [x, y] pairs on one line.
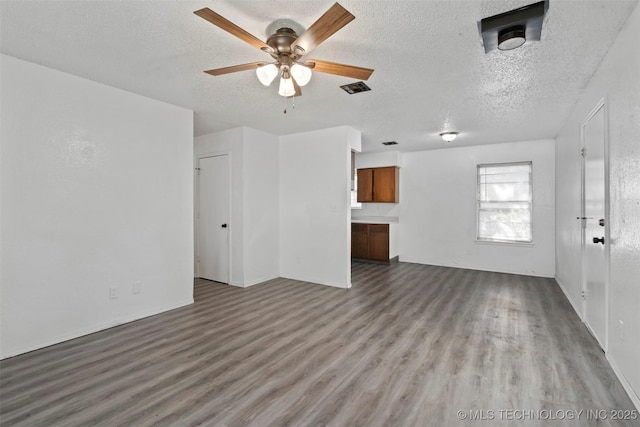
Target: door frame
{"points": [[197, 212], [600, 105]]}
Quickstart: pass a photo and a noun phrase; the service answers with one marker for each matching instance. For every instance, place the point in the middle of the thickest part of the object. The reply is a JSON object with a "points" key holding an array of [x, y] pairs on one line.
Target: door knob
{"points": [[224, 226], [600, 240]]}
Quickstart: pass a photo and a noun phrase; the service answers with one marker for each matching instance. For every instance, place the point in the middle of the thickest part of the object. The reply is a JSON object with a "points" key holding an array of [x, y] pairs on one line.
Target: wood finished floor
{"points": [[408, 345]]}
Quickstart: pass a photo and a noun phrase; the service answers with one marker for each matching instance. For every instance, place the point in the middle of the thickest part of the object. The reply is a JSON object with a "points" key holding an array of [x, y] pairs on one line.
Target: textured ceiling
{"points": [[431, 72]]}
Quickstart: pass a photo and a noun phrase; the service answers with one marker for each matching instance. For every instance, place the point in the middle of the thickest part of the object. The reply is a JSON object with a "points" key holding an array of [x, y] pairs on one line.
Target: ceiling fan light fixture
{"points": [[267, 73], [449, 136], [287, 44], [286, 87], [301, 74], [511, 38]]}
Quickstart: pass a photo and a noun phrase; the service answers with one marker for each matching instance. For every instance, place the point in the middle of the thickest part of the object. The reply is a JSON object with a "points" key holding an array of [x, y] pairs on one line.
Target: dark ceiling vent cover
{"points": [[390, 143], [355, 88], [511, 29]]}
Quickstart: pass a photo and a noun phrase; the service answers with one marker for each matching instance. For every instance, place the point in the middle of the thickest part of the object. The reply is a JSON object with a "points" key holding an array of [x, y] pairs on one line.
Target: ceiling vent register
{"points": [[355, 88]]}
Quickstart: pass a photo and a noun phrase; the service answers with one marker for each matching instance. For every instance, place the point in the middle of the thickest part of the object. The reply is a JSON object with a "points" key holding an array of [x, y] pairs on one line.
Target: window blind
{"points": [[505, 202]]}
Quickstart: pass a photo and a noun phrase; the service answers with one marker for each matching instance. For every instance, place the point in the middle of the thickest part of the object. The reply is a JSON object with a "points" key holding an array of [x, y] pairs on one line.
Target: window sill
{"points": [[504, 243]]}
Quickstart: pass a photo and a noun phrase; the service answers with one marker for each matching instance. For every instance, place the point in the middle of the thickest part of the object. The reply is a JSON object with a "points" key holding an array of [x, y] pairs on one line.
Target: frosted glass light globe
{"points": [[286, 87], [301, 74], [267, 73]]}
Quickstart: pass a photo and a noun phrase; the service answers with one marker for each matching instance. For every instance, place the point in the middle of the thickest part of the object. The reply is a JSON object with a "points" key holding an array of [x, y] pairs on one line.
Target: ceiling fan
{"points": [[288, 48]]}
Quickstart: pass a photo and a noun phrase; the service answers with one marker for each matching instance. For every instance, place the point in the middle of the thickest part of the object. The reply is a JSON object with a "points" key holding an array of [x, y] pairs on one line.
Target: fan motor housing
{"points": [[281, 41]]}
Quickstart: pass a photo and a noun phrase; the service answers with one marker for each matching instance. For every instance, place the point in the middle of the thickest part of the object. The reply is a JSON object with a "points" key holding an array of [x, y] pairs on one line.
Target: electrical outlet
{"points": [[621, 326], [113, 293], [137, 287]]}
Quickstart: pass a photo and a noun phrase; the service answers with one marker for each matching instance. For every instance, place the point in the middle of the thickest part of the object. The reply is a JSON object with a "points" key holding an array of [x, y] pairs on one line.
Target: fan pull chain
{"points": [[293, 103]]}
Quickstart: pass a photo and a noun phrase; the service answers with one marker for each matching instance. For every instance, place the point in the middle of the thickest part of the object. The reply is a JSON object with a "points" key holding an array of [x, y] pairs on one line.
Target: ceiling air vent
{"points": [[390, 143], [356, 87]]}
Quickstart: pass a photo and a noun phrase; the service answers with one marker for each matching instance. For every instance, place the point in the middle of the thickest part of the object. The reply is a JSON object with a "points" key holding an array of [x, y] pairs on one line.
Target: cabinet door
{"points": [[360, 241], [379, 242], [365, 185], [385, 185]]}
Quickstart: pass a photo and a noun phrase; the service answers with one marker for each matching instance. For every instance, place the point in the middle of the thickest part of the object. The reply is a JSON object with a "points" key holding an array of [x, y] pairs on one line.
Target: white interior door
{"points": [[213, 218], [595, 243]]}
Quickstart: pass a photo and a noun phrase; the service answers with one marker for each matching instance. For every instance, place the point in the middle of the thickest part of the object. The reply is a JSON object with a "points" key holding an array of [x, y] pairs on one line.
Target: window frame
{"points": [[479, 201], [353, 201]]}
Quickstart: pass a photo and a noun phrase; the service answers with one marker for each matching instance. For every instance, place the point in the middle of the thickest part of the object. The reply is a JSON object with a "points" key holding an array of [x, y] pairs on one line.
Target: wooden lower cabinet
{"points": [[360, 241], [379, 242], [370, 242]]}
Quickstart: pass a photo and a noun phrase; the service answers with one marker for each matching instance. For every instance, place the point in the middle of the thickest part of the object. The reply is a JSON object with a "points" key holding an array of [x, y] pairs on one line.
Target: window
{"points": [[505, 202], [354, 194]]}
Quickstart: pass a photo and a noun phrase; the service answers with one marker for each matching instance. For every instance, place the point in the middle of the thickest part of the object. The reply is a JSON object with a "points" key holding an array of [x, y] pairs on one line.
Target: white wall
{"points": [[254, 222], [96, 193], [438, 218], [261, 206], [618, 81], [315, 229], [379, 159]]}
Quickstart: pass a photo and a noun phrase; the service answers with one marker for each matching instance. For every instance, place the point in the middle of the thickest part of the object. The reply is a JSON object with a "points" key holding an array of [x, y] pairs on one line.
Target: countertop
{"points": [[375, 219]]}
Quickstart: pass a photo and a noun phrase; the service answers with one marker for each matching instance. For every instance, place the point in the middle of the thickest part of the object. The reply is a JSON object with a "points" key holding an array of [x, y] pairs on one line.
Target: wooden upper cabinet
{"points": [[379, 185], [365, 185], [385, 184]]}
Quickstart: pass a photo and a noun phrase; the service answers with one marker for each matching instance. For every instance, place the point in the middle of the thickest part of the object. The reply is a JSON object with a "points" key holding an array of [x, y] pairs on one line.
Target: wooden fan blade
{"points": [[297, 88], [328, 24], [340, 69], [234, 68], [230, 27]]}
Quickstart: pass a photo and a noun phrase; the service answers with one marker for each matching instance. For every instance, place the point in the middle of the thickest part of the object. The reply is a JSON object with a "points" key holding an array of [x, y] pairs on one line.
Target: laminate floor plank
{"points": [[408, 345]]}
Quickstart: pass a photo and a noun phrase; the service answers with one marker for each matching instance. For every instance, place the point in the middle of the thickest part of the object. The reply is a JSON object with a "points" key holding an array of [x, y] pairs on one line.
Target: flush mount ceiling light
{"points": [[511, 38], [287, 46], [449, 136], [512, 29]]}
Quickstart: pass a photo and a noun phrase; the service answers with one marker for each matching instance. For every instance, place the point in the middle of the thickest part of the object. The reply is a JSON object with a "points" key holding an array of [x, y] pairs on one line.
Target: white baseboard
{"points": [[568, 296], [93, 329], [261, 280], [474, 267], [308, 280], [319, 282], [253, 282], [625, 384]]}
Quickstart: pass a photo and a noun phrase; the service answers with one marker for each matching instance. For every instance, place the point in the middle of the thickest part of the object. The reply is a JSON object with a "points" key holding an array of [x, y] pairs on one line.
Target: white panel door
{"points": [[213, 218], [595, 242]]}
